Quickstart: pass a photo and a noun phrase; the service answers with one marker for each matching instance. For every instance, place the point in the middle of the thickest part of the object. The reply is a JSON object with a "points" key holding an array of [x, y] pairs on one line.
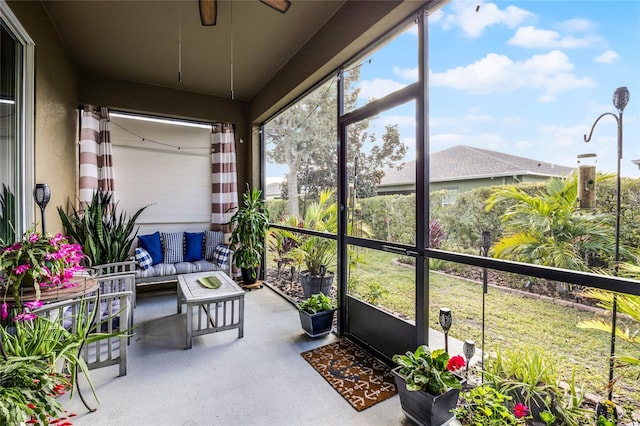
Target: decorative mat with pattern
{"points": [[360, 378]]}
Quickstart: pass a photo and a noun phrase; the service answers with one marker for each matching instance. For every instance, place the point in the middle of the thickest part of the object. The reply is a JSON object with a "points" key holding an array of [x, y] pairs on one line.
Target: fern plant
{"points": [[105, 235]]}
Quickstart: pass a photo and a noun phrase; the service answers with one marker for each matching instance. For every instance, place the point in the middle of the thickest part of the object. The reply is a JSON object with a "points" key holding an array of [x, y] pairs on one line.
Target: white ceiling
{"points": [[139, 41]]}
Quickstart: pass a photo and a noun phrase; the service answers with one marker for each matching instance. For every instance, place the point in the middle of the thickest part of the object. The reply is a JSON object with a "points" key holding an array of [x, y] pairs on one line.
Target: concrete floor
{"points": [[260, 379]]}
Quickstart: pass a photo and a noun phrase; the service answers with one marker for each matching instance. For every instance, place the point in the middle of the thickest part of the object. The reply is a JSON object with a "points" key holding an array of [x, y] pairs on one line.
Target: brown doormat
{"points": [[360, 378]]}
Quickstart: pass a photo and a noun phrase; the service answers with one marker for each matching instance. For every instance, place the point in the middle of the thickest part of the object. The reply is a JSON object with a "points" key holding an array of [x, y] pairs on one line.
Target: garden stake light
{"points": [[446, 320], [620, 100], [42, 195], [468, 349]]}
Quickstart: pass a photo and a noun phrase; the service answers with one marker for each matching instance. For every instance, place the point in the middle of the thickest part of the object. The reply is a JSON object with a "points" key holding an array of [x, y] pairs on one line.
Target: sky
{"points": [[528, 78]]}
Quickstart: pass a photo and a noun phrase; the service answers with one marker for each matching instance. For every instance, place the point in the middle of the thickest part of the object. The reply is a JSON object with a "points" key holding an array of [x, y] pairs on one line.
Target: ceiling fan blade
{"points": [[279, 5], [208, 12]]}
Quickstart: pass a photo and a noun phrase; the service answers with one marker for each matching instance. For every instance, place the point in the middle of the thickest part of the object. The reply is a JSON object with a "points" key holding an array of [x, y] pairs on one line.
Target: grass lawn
{"points": [[512, 321]]}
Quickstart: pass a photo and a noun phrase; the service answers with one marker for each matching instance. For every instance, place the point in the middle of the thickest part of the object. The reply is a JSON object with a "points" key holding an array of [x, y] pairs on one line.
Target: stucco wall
{"points": [[56, 100]]}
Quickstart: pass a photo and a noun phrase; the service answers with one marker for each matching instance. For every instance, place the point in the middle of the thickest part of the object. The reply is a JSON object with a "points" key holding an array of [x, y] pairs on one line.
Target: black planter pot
{"points": [[422, 407], [250, 275], [317, 325], [315, 284]]}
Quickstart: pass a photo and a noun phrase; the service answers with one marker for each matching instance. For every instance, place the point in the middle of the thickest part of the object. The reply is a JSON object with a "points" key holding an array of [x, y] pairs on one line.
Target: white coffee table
{"points": [[217, 309]]}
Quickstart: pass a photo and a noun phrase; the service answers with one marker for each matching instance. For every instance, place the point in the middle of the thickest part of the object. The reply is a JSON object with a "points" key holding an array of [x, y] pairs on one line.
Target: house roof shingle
{"points": [[466, 162]]}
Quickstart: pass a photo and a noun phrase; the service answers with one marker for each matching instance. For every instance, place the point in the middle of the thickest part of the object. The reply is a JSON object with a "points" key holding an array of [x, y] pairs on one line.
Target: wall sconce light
{"points": [[42, 195]]}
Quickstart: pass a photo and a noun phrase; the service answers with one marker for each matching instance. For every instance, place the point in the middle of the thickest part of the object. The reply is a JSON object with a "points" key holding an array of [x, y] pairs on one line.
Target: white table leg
{"points": [[189, 326]]}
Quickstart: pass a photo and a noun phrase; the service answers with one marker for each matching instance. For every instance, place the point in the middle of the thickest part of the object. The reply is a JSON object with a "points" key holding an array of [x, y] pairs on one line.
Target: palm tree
{"points": [[548, 228]]}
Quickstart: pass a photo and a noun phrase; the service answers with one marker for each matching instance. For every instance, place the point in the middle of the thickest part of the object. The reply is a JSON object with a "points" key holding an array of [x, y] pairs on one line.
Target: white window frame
{"points": [[26, 175]]}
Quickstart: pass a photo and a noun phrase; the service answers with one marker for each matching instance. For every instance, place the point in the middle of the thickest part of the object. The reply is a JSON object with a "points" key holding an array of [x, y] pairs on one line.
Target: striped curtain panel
{"points": [[96, 164], [224, 180]]}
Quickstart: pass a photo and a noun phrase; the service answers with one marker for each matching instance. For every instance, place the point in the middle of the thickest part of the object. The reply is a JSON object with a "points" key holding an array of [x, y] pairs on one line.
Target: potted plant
{"points": [[529, 376], [105, 236], [40, 360], [316, 315], [484, 405], [251, 223], [318, 254], [427, 385], [38, 261]]}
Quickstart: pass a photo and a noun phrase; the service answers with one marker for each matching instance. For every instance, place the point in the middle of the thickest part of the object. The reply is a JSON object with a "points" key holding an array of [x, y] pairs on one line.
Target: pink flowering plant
{"points": [[39, 260]]}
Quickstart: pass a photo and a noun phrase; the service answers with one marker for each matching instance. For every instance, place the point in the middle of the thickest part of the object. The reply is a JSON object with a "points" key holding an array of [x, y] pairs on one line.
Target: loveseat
{"points": [[161, 256]]}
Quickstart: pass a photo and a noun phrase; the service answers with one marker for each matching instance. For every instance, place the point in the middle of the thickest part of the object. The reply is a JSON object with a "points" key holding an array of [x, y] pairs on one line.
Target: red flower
{"points": [[455, 363], [520, 410]]}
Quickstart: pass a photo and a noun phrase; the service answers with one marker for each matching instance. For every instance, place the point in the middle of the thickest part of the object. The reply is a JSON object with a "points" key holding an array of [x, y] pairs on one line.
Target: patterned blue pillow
{"points": [[221, 255], [144, 258], [173, 246], [211, 240]]}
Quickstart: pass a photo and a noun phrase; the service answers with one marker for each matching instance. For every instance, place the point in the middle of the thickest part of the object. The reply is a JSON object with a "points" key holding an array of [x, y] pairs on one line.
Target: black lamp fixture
{"points": [[620, 100], [446, 319], [42, 195]]}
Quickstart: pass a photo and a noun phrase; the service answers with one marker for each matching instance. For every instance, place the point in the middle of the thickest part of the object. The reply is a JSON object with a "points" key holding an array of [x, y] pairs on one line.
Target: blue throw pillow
{"points": [[151, 243], [193, 246]]}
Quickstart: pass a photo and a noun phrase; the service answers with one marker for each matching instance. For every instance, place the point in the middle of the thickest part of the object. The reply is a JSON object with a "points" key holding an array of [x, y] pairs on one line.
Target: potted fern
{"points": [[316, 315], [427, 385], [251, 223]]}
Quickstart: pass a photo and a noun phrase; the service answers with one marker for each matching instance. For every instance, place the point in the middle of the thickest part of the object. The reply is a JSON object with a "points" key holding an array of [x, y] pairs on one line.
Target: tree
{"points": [[548, 229], [304, 138]]}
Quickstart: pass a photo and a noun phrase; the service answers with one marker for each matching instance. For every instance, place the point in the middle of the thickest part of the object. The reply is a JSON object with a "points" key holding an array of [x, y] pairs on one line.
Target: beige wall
{"points": [[56, 100]]}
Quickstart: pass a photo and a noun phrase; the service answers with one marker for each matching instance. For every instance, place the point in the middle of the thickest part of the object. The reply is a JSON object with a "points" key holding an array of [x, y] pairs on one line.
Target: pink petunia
{"points": [[33, 238], [5, 311], [520, 410]]}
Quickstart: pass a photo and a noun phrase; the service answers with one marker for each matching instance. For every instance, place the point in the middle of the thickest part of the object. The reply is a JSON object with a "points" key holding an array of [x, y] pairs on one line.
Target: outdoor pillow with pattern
{"points": [[173, 245], [211, 240], [144, 258], [221, 255]]}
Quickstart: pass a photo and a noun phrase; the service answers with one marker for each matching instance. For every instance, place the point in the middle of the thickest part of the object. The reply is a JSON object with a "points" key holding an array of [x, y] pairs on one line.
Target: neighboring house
{"points": [[272, 191], [462, 168]]}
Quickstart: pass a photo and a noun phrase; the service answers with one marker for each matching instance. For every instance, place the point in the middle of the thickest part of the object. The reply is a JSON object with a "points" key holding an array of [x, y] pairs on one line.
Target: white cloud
{"points": [[410, 74], [533, 37], [474, 22], [550, 72], [378, 88], [563, 136], [523, 144], [606, 57], [479, 118], [447, 139], [401, 120], [576, 25]]}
